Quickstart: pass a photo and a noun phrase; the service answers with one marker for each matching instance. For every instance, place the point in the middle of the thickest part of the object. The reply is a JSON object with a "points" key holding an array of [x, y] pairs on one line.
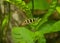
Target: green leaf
{"points": [[58, 9], [42, 39], [5, 21], [50, 27], [19, 33], [56, 27], [16, 1], [45, 28], [39, 4]]}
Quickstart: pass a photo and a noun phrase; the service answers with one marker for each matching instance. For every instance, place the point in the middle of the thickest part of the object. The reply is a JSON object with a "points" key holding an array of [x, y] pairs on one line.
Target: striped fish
{"points": [[28, 21]]}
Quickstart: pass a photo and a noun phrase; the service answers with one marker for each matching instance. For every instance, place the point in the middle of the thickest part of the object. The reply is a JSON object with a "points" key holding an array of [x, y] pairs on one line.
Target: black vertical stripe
{"points": [[28, 21]]}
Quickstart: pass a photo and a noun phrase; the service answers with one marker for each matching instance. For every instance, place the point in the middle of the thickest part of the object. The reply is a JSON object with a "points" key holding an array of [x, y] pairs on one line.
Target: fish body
{"points": [[28, 21]]}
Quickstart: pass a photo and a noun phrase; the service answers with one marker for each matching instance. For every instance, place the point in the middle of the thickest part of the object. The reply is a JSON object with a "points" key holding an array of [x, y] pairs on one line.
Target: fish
{"points": [[28, 21]]}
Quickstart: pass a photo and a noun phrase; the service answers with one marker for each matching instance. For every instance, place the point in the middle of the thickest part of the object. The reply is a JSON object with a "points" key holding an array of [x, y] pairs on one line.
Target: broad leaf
{"points": [[58, 9], [19, 33], [39, 4], [50, 27]]}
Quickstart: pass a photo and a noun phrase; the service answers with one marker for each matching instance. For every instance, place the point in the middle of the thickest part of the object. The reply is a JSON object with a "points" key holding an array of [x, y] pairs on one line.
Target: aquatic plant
{"points": [[33, 31]]}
